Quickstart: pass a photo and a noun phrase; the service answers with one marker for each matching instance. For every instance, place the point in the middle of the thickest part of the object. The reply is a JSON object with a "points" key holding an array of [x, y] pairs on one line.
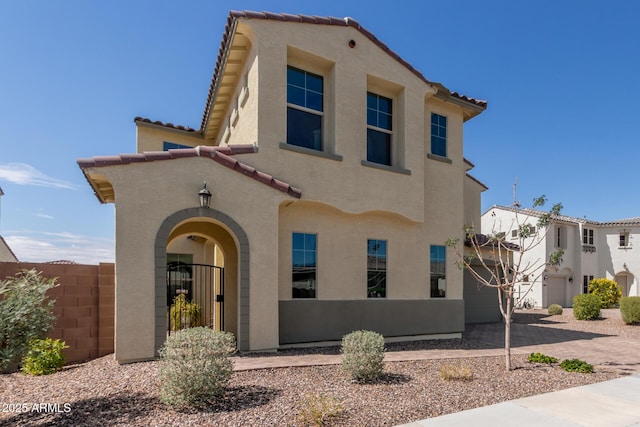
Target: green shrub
{"points": [[194, 366], [362, 355], [607, 290], [44, 357], [554, 309], [318, 409], [541, 358], [576, 365], [449, 372], [184, 313], [630, 309], [25, 314], [586, 306]]}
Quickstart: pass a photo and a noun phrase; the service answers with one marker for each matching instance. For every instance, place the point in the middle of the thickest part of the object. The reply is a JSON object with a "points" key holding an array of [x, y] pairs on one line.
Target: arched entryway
{"points": [[215, 229], [625, 281]]}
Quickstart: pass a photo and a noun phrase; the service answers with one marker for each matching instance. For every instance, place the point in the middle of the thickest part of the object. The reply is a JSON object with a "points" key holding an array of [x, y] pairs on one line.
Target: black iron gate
{"points": [[195, 296]]}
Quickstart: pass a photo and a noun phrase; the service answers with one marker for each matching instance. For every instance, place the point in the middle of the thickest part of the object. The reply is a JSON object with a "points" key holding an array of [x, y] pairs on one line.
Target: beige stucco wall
{"points": [[472, 203], [6, 255], [150, 137], [342, 252], [174, 185]]}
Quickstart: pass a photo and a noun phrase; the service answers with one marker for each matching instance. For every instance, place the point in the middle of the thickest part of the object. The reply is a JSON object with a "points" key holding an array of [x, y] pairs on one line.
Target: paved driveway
{"points": [[604, 342]]}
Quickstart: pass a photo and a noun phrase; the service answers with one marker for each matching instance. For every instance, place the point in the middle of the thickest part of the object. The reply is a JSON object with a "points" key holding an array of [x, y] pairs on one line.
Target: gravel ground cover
{"points": [[101, 392]]}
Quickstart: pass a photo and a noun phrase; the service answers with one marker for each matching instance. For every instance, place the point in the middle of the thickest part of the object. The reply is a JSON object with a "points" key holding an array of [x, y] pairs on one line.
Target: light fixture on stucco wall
{"points": [[205, 196]]}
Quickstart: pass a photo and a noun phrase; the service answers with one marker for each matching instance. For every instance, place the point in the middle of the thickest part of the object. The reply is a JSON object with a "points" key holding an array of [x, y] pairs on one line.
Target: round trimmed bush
{"points": [[362, 355], [607, 290], [555, 309], [630, 309], [586, 307], [194, 366]]}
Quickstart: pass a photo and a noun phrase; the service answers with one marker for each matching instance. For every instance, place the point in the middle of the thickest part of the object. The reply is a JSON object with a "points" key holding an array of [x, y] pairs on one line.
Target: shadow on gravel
{"points": [[492, 334], [98, 411], [239, 398]]}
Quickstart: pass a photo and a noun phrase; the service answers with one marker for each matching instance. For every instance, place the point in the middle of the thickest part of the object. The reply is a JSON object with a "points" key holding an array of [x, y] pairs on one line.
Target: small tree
{"points": [[501, 265], [25, 314]]}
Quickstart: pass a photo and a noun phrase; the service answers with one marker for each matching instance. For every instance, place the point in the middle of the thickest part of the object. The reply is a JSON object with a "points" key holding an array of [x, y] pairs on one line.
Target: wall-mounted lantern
{"points": [[205, 196], [570, 279]]}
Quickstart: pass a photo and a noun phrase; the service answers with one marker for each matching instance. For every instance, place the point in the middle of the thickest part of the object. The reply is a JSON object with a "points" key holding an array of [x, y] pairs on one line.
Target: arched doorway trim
{"points": [[162, 238]]}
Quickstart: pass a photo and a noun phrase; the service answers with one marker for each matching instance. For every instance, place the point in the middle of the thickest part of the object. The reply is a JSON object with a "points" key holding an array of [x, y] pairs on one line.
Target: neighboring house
{"points": [[591, 250], [337, 173], [6, 254]]}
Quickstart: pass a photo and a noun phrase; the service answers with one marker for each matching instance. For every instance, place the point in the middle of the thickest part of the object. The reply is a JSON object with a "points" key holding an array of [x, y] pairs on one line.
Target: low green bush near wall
{"points": [[194, 366], [362, 355], [554, 309], [630, 309], [44, 357], [586, 307]]}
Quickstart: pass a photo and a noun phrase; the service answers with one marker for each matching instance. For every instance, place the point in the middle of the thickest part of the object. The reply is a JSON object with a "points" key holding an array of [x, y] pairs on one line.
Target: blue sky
{"points": [[561, 79]]}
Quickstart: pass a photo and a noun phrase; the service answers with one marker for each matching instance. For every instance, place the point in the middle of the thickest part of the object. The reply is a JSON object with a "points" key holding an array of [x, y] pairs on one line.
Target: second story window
{"points": [[624, 239], [305, 111], [561, 237], [438, 135], [379, 128], [587, 236]]}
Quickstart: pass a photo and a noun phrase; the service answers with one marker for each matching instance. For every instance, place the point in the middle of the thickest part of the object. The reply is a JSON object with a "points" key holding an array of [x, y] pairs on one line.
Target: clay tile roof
{"points": [[167, 125], [484, 240], [343, 22], [221, 155]]}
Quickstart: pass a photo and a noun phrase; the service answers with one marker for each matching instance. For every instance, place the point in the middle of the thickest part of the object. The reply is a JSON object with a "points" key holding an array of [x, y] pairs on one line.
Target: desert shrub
{"points": [[586, 306], [194, 366], [607, 290], [630, 309], [541, 358], [25, 314], [319, 409], [450, 372], [44, 357], [362, 355], [555, 309], [576, 365], [183, 313]]}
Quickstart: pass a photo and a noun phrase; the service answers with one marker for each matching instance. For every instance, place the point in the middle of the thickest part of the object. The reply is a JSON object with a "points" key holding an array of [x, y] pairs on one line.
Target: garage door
{"points": [[556, 291]]}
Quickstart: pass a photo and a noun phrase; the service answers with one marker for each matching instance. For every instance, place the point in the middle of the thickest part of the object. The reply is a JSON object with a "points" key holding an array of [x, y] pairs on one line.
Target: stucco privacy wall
{"points": [[84, 307], [162, 189]]}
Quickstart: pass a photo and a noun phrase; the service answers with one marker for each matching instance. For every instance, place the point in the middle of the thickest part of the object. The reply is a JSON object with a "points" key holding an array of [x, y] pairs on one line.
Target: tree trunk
{"points": [[507, 333]]}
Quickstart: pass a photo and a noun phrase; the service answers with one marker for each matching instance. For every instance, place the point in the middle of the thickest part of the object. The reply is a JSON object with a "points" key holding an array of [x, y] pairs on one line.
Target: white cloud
{"points": [[23, 174], [43, 215], [32, 246]]}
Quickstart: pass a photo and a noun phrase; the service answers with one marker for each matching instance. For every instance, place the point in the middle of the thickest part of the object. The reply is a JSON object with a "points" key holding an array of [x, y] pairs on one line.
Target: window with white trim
{"points": [[438, 135], [587, 236]]}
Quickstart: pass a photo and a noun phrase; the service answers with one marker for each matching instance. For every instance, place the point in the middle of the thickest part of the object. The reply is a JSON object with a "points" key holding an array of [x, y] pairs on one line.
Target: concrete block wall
{"points": [[84, 307]]}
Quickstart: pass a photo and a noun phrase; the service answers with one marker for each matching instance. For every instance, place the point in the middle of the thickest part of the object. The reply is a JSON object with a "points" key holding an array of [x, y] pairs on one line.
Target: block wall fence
{"points": [[84, 307]]}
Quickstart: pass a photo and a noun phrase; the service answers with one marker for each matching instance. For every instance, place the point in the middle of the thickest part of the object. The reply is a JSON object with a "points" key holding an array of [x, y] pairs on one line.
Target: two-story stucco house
{"points": [[591, 249], [336, 174]]}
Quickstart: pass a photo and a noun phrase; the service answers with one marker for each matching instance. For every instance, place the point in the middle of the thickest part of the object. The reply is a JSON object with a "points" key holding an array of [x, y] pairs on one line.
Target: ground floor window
{"points": [[304, 265], [585, 283], [438, 271], [376, 268]]}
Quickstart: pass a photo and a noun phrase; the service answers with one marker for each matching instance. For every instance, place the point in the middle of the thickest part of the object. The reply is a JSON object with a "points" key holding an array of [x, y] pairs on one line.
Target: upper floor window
{"points": [[376, 268], [305, 111], [304, 265], [438, 135], [587, 236], [166, 145], [438, 271], [624, 239], [379, 128], [561, 237]]}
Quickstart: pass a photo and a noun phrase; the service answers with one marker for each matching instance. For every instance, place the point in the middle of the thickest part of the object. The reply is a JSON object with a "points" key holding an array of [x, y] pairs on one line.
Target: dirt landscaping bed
{"points": [[103, 393]]}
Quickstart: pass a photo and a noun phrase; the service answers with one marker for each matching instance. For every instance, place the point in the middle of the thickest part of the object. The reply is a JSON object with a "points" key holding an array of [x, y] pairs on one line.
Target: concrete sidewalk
{"points": [[614, 403]]}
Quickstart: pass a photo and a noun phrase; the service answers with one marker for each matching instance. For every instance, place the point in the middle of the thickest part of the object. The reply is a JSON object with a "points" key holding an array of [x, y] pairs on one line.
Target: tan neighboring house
{"points": [[6, 254], [336, 174]]}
